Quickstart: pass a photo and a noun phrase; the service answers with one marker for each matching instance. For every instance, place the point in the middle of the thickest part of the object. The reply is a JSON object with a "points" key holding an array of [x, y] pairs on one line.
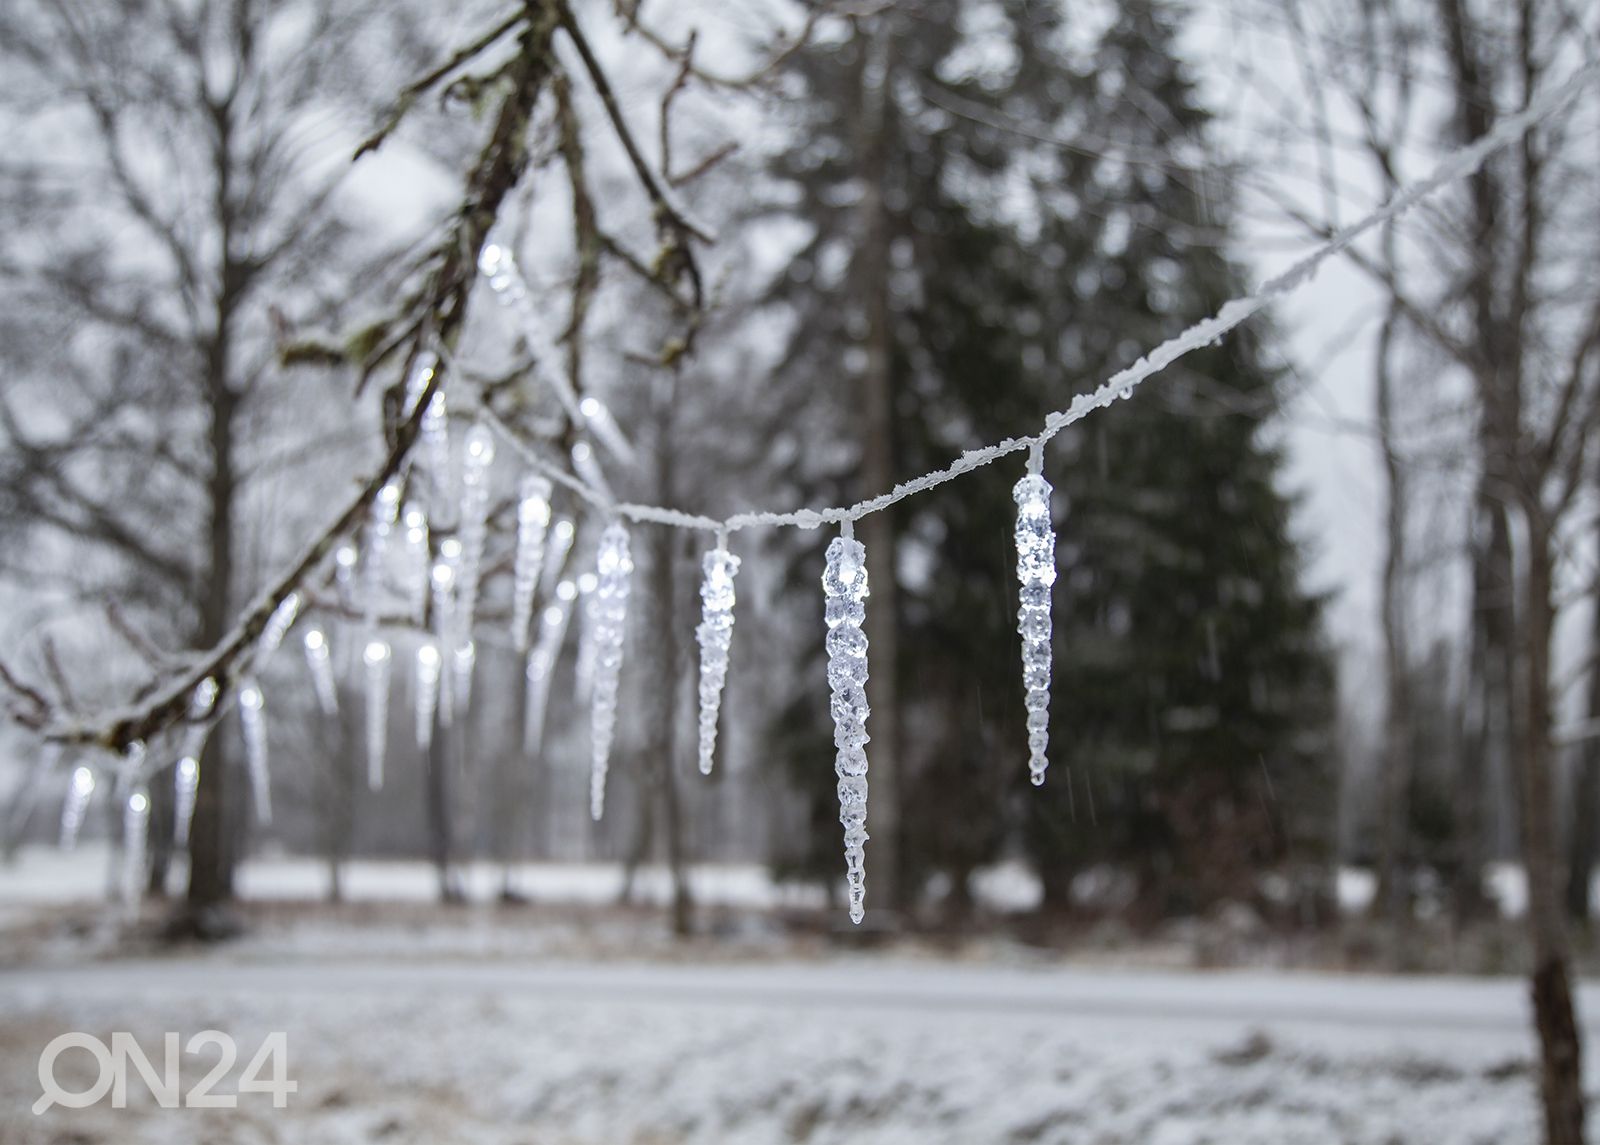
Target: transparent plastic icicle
{"points": [[377, 658], [557, 546], [715, 635], [583, 669], [418, 565], [202, 702], [135, 836], [844, 583], [80, 789], [444, 611], [385, 512], [253, 722], [613, 570], [185, 786], [345, 559], [533, 523], [426, 686], [1036, 573], [278, 624], [542, 664], [474, 525], [319, 659], [598, 420]]}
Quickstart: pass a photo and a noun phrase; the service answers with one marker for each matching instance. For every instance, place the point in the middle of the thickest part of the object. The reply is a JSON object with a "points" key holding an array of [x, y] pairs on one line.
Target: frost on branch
{"points": [[844, 583], [609, 609], [1036, 572], [715, 634]]}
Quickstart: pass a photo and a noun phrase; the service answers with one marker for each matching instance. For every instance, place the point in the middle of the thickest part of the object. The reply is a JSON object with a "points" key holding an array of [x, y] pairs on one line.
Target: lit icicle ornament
{"points": [[444, 612], [715, 634], [844, 583], [135, 835], [426, 682], [474, 525], [185, 786], [1036, 573], [319, 659], [533, 522], [376, 658], [80, 788], [202, 702], [345, 560], [557, 546], [385, 512], [462, 662], [542, 664], [253, 722], [435, 434], [583, 669], [418, 566], [278, 624], [613, 568]]}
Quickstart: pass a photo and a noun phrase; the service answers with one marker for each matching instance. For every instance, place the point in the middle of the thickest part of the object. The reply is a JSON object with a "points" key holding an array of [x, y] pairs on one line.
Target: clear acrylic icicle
{"points": [[462, 662], [80, 789], [474, 526], [385, 512], [377, 659], [533, 523], [557, 545], [278, 625], [613, 571], [715, 634], [844, 583], [542, 663], [418, 563], [253, 723], [1036, 573], [425, 683], [444, 612], [319, 659], [185, 786]]}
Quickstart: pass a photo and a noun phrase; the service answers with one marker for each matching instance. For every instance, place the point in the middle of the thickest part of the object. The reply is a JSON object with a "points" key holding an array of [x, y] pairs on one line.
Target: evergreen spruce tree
{"points": [[1192, 690]]}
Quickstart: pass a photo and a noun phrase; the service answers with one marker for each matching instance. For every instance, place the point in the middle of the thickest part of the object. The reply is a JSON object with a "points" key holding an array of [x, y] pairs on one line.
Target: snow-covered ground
{"points": [[849, 1049]]}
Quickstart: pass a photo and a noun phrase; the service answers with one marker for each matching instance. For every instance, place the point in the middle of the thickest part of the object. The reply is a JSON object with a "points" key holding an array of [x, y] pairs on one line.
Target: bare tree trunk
{"points": [[1583, 835], [1561, 1078], [877, 532]]}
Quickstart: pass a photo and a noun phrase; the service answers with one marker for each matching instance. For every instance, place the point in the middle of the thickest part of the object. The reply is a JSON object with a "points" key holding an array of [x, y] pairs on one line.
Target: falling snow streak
{"points": [[609, 602], [714, 635], [533, 523], [376, 659], [1036, 573], [844, 583], [253, 723]]}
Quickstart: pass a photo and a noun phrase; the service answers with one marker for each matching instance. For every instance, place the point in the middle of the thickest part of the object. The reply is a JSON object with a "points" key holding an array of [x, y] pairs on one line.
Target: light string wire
{"points": [[1456, 165]]}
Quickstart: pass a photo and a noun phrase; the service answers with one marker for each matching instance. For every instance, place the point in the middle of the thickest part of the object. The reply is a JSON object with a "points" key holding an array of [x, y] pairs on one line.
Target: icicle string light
{"points": [[533, 523], [1036, 573], [474, 525], [419, 566], [426, 684], [278, 624], [844, 583], [135, 836], [319, 660], [609, 602], [185, 786], [377, 658], [714, 635], [542, 663], [253, 723], [80, 789], [385, 512]]}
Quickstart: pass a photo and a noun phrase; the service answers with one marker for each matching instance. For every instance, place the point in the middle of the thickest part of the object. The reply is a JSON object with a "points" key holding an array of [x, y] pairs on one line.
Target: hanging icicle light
{"points": [[376, 658], [345, 559], [557, 546], [80, 789], [135, 835], [462, 662], [715, 634], [253, 723], [613, 570], [202, 702], [435, 434], [385, 512], [418, 564], [542, 663], [278, 625], [185, 787], [844, 583], [426, 684], [1036, 573], [319, 659], [444, 610], [533, 522], [599, 422], [474, 525], [417, 381], [583, 670], [587, 466]]}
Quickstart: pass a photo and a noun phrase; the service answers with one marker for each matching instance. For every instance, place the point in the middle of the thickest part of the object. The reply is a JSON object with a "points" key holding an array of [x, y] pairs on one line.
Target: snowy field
{"points": [[551, 1025]]}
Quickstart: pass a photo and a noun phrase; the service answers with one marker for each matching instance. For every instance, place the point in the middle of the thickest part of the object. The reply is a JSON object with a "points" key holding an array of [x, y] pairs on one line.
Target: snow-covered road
{"points": [[861, 1050]]}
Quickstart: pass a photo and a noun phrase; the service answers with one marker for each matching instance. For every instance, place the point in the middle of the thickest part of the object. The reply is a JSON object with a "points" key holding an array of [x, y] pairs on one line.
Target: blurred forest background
{"points": [[1325, 589]]}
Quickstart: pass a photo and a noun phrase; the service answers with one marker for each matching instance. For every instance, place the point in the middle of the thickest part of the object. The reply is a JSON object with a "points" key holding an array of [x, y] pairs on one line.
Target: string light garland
{"points": [[453, 579]]}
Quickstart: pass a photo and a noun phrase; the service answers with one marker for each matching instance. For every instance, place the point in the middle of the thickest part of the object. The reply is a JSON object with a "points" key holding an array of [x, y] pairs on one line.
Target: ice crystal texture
{"points": [[844, 583], [715, 634], [1036, 572], [609, 611], [533, 522]]}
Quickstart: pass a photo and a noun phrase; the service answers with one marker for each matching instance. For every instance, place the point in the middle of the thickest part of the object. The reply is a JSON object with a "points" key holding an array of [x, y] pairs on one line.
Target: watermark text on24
{"points": [[267, 1072]]}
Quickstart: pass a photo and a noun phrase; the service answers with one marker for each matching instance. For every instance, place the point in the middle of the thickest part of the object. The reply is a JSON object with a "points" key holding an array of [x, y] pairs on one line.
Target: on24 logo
{"points": [[113, 1063]]}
